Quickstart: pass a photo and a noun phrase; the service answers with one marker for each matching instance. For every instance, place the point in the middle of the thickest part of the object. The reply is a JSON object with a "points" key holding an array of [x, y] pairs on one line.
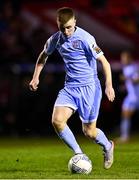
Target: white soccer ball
{"points": [[80, 164]]}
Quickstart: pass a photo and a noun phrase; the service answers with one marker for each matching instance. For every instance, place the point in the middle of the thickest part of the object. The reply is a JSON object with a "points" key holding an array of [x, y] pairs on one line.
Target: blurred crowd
{"points": [[124, 14], [20, 42]]}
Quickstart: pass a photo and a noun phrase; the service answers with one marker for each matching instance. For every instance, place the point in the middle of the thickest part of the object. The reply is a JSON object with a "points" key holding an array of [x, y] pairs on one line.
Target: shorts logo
{"points": [[76, 44], [97, 49]]}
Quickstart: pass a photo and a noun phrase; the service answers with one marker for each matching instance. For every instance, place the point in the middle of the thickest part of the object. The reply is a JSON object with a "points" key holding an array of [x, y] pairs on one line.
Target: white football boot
{"points": [[109, 157]]}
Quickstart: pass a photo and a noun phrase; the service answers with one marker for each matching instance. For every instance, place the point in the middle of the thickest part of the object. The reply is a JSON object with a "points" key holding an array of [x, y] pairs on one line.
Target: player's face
{"points": [[68, 28]]}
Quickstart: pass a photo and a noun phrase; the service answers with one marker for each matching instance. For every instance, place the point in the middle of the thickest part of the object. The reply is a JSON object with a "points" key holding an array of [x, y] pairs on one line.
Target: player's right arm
{"points": [[49, 47], [33, 85]]}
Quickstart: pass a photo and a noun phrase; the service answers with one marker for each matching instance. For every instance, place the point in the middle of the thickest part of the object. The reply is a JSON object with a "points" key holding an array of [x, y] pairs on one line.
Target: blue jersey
{"points": [[131, 101], [79, 53], [130, 72]]}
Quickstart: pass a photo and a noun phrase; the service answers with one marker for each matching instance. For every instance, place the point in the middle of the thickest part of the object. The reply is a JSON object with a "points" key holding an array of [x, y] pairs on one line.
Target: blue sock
{"points": [[102, 140], [125, 127], [67, 136]]}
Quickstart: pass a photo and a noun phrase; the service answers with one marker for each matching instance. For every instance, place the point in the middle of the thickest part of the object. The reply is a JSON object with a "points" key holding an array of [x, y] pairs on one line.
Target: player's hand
{"points": [[33, 85], [109, 91]]}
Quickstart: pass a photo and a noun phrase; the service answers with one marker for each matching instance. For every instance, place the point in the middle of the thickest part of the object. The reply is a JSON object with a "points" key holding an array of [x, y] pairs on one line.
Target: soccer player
{"points": [[131, 101], [82, 90]]}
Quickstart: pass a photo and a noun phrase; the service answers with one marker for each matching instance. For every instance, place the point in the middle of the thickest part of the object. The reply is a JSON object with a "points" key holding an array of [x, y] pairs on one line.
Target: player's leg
{"points": [[100, 138], [128, 109], [97, 135], [88, 111], [60, 117], [59, 120], [125, 124]]}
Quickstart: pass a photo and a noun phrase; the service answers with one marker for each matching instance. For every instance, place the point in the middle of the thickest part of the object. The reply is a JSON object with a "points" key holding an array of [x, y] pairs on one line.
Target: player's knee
{"points": [[58, 122], [90, 133]]}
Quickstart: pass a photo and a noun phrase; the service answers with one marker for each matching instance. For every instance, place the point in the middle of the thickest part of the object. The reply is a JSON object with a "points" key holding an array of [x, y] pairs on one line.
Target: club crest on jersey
{"points": [[97, 49], [76, 44]]}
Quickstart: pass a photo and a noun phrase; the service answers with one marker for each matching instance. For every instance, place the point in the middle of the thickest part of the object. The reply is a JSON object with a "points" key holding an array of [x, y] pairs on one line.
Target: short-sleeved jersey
{"points": [[131, 72], [79, 53]]}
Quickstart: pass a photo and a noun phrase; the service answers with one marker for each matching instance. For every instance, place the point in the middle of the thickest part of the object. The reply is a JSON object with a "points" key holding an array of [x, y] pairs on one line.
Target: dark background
{"points": [[26, 113]]}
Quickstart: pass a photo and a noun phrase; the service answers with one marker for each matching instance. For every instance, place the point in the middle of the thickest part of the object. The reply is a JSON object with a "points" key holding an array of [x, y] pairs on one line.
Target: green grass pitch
{"points": [[47, 158]]}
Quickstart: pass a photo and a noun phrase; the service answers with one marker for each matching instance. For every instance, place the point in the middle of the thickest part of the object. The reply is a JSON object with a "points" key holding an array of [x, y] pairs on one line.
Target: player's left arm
{"points": [[109, 91]]}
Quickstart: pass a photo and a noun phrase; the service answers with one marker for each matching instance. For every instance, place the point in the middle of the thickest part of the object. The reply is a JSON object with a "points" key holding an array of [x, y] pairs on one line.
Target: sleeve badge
{"points": [[97, 49]]}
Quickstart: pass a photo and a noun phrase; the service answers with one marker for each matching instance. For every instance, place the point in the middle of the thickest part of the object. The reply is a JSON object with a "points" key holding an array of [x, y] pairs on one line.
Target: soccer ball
{"points": [[80, 164]]}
